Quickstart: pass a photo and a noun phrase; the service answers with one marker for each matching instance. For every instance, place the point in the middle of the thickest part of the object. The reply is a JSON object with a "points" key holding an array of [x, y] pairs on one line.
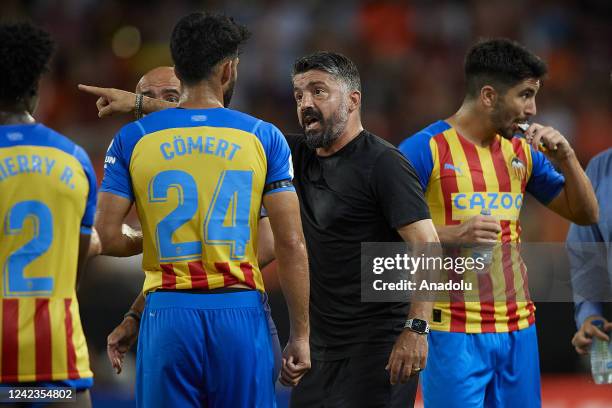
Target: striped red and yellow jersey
{"points": [[48, 190], [197, 177], [460, 179]]}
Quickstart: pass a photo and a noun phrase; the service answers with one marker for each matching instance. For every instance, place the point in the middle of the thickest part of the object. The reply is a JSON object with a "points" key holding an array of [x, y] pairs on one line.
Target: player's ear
{"points": [[227, 71], [488, 96], [354, 100]]}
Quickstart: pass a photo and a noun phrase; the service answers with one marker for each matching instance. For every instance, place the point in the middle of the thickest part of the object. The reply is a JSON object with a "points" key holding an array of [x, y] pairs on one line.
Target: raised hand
{"points": [[111, 100]]}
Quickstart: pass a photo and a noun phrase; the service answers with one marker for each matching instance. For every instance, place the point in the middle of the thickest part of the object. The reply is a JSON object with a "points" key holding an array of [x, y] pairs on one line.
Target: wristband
{"points": [[138, 106], [134, 315], [277, 184]]}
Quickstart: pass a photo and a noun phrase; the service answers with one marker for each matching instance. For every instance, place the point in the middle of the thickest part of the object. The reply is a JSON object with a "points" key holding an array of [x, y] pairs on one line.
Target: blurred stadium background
{"points": [[410, 57]]}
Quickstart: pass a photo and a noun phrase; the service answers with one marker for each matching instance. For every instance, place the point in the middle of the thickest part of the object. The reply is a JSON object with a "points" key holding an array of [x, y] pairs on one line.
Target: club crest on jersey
{"points": [[518, 168]]}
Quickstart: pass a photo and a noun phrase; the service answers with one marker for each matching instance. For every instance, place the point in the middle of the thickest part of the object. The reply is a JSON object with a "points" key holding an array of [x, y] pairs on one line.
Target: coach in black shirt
{"points": [[353, 187]]}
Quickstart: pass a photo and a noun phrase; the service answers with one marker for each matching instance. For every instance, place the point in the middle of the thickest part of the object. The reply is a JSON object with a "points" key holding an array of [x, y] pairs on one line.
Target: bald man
{"points": [[160, 83]]}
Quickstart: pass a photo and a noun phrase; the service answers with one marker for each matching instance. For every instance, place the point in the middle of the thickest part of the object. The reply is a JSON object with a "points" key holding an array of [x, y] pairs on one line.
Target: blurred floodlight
{"points": [[126, 42]]}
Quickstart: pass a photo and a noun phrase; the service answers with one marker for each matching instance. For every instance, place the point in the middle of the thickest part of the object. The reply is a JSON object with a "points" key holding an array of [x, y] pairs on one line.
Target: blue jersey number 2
{"points": [[232, 197], [187, 191], [15, 283]]}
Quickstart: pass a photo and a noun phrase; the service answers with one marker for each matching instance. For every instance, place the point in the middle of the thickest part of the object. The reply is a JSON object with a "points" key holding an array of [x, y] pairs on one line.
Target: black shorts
{"points": [[354, 382]]}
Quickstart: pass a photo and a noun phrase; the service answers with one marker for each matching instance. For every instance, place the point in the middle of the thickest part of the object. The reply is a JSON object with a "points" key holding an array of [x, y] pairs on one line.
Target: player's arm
{"points": [[410, 349], [576, 201], [478, 229], [95, 248], [123, 337], [112, 100], [284, 213], [265, 243], [116, 237]]}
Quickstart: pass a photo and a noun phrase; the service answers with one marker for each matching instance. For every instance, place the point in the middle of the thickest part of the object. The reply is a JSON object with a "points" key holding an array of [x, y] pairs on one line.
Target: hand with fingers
{"points": [[548, 140], [584, 336], [111, 100], [482, 229], [296, 362], [121, 339], [408, 357]]}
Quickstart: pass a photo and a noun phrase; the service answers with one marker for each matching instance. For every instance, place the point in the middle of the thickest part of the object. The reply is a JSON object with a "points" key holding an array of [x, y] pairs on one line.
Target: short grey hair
{"points": [[334, 64]]}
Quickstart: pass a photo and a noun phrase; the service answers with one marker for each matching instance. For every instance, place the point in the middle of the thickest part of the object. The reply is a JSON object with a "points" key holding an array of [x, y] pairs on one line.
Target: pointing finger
{"points": [[94, 90]]}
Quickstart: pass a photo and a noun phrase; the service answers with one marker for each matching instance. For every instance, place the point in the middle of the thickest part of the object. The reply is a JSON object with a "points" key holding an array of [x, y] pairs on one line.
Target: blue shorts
{"points": [[276, 347], [204, 350], [482, 370]]}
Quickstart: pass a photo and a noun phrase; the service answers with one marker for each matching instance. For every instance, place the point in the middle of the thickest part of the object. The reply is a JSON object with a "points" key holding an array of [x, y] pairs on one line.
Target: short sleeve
{"points": [[278, 155], [117, 178], [545, 182], [418, 152], [397, 189], [90, 207]]}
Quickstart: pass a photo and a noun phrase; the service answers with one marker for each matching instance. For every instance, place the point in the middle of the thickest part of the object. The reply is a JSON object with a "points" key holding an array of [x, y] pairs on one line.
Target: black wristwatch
{"points": [[417, 326]]}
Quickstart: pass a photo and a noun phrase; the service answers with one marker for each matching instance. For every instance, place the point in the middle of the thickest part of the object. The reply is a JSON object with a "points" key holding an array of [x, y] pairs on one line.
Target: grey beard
{"points": [[329, 134]]}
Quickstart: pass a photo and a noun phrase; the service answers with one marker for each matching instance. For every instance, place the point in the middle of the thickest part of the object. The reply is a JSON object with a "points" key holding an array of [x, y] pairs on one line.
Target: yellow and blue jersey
{"points": [[461, 179], [197, 177], [48, 190]]}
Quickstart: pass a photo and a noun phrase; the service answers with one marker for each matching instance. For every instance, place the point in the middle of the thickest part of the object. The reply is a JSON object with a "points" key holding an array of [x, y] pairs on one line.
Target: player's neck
{"points": [[16, 118], [201, 96], [472, 125], [351, 131]]}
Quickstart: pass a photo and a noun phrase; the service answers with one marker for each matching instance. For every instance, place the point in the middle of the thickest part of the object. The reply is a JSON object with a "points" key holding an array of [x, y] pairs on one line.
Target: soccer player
{"points": [[197, 174], [485, 353], [161, 83], [48, 190], [353, 187], [592, 279]]}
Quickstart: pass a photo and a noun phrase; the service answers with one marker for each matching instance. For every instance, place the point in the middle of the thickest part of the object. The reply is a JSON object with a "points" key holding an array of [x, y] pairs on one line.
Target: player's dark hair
{"points": [[334, 64], [501, 63], [202, 40], [25, 51]]}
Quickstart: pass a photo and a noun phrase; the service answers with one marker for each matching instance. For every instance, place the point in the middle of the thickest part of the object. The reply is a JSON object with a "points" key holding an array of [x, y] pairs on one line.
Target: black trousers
{"points": [[354, 382]]}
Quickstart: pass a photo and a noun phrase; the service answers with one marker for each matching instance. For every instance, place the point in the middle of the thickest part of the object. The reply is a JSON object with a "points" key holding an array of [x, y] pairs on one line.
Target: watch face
{"points": [[419, 325]]}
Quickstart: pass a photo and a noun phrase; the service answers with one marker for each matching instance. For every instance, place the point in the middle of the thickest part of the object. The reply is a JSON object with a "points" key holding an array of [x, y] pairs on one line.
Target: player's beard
{"points": [[229, 92], [330, 129], [502, 120]]}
